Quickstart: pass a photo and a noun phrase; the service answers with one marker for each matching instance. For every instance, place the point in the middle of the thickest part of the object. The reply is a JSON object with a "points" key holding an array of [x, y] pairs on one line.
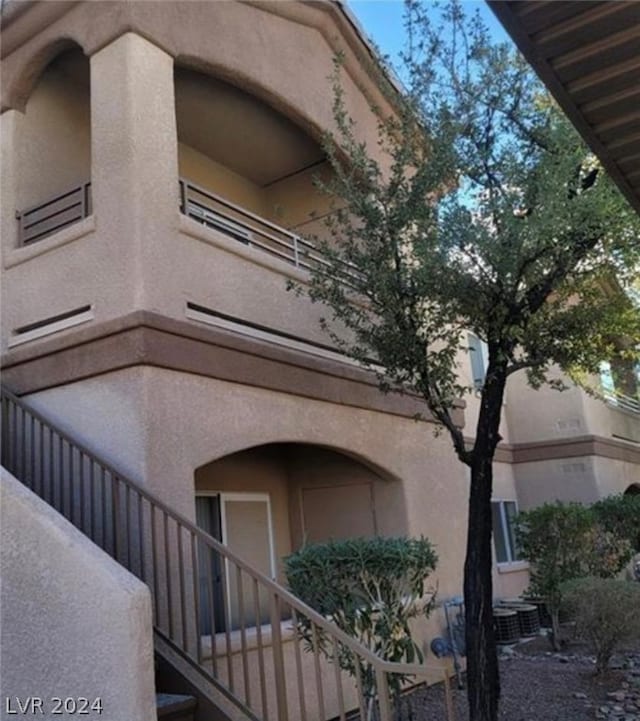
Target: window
{"points": [[479, 361], [504, 540], [242, 521]]}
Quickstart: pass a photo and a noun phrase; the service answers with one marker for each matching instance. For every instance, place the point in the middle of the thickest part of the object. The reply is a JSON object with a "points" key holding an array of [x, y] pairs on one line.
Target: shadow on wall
{"points": [[288, 494]]}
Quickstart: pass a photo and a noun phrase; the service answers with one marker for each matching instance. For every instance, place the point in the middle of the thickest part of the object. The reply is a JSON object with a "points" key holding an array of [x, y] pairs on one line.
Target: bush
{"points": [[370, 588], [620, 515], [563, 541], [606, 613]]}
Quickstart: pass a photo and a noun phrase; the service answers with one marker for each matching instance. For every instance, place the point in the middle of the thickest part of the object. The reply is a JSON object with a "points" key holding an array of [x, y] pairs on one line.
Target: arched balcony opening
{"points": [[247, 170], [54, 149], [265, 502]]}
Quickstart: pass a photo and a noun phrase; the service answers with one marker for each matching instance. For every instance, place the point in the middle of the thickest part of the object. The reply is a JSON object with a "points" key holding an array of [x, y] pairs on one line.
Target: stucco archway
{"points": [[315, 493]]}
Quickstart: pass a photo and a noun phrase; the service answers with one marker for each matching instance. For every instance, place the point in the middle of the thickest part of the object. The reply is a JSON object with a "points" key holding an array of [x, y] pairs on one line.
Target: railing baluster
{"points": [[127, 524], [382, 687], [23, 467], [359, 686], [115, 498], [209, 566], [32, 443], [335, 651], [243, 637], [278, 658], [82, 481], [224, 563], [42, 461], [263, 685], [141, 544], [196, 595], [154, 563], [61, 475], [183, 603], [52, 472], [104, 513], [298, 657], [318, 670], [167, 565], [92, 500]]}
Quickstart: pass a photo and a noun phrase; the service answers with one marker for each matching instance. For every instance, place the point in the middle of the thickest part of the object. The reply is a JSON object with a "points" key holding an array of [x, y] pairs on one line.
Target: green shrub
{"points": [[563, 541], [370, 588], [620, 515], [606, 613]]}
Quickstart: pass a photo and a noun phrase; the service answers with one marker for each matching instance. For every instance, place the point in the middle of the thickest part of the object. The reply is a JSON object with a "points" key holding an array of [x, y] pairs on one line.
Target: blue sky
{"points": [[382, 21]]}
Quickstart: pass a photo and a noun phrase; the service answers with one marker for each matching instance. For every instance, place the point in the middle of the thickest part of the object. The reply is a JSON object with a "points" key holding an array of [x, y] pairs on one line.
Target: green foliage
{"points": [[606, 612], [620, 514], [371, 588], [564, 541], [480, 209]]}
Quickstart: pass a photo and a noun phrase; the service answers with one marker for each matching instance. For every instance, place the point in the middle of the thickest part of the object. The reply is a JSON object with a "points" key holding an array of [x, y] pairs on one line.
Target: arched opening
{"points": [[633, 490], [267, 501], [54, 148], [243, 161]]}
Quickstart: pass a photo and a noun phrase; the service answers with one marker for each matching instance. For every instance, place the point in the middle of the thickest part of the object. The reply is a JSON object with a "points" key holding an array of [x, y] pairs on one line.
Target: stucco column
{"points": [[134, 155], [10, 122]]}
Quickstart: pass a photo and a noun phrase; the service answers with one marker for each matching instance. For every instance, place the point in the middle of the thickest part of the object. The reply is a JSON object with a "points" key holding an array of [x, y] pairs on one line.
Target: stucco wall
{"points": [[545, 414], [563, 479], [54, 147], [74, 622], [206, 172], [175, 423]]}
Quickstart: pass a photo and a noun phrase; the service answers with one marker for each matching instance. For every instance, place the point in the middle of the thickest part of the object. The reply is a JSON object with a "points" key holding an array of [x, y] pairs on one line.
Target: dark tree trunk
{"points": [[483, 681], [483, 684]]}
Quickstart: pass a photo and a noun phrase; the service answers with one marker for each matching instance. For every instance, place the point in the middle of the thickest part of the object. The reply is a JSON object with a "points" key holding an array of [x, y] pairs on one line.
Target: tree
{"points": [[564, 541], [371, 588], [481, 211]]}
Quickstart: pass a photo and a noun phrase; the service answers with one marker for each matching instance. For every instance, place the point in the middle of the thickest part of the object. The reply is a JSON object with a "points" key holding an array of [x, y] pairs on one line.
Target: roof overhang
{"points": [[588, 55]]}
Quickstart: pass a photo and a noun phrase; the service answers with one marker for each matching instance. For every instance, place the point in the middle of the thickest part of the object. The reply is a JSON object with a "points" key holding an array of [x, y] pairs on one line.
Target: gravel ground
{"points": [[541, 686]]}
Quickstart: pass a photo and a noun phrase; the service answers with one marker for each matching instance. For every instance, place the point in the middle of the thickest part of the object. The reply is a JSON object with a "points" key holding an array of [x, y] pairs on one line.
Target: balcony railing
{"points": [[40, 221], [246, 227], [208, 208], [622, 401]]}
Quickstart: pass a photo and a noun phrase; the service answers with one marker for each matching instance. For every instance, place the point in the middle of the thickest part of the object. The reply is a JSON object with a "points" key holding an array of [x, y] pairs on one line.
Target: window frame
{"points": [[506, 531]]}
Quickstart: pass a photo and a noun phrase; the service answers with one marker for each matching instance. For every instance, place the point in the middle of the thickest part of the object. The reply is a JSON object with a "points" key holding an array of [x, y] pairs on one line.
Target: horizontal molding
{"points": [[145, 338], [569, 448]]}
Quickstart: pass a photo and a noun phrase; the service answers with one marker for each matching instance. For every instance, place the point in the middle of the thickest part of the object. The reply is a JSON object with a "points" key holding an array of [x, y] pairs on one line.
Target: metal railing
{"points": [[622, 401], [217, 212], [236, 627], [40, 221]]}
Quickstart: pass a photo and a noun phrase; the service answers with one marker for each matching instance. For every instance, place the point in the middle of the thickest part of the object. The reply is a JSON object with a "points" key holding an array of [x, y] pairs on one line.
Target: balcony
{"points": [[211, 210], [40, 221], [622, 402], [214, 211]]}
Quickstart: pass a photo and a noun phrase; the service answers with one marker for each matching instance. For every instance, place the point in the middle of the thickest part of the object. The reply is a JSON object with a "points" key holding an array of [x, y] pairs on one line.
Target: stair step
{"points": [[175, 707]]}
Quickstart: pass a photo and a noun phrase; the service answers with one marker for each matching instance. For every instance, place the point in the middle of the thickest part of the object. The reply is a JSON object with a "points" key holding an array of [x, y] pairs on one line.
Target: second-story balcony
{"points": [[253, 231]]}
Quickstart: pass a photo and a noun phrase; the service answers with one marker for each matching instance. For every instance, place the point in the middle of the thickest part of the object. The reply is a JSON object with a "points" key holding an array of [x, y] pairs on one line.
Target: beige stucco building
{"points": [[157, 166]]}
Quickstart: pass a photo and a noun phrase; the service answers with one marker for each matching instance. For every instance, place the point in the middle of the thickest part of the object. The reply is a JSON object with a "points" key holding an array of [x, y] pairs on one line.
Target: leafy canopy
{"points": [[481, 210]]}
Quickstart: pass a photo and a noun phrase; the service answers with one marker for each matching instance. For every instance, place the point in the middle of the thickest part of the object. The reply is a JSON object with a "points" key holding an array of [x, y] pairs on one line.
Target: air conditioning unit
{"points": [[215, 220]]}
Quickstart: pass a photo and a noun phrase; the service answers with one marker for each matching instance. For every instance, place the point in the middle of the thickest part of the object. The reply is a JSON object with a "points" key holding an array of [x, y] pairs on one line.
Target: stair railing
{"points": [[231, 623]]}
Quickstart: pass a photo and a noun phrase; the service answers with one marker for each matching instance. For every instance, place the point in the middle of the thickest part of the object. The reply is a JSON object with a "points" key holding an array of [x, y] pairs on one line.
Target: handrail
{"points": [[289, 247], [199, 587]]}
